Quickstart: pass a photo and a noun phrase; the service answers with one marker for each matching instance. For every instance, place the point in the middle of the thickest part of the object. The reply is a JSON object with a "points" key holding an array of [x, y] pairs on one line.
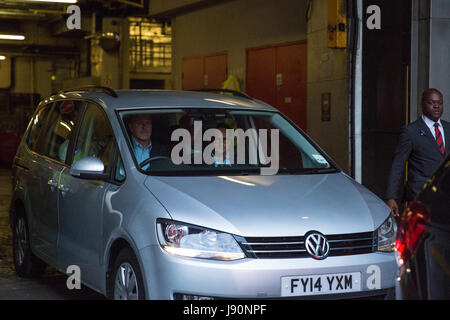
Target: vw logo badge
{"points": [[317, 246]]}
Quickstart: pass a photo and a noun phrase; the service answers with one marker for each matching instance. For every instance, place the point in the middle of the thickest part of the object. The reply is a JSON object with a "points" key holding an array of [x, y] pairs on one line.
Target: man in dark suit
{"points": [[424, 145]]}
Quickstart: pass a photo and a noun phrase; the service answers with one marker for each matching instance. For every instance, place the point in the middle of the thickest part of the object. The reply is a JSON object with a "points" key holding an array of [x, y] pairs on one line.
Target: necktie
{"points": [[439, 140]]}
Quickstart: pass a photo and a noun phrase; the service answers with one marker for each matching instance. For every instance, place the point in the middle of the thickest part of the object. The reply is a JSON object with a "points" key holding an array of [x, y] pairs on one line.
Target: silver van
{"points": [[263, 213]]}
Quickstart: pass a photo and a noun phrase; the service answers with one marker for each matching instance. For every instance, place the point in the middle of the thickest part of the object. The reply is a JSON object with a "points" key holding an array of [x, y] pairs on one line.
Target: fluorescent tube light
{"points": [[11, 37], [54, 1]]}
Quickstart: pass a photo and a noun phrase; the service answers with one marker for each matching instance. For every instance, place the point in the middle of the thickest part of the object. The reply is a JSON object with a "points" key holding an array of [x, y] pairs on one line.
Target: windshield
{"points": [[217, 141]]}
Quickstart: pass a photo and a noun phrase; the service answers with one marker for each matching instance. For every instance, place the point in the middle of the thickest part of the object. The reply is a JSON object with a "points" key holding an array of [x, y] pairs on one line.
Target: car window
{"points": [[95, 138], [202, 141], [61, 123], [37, 129], [290, 155]]}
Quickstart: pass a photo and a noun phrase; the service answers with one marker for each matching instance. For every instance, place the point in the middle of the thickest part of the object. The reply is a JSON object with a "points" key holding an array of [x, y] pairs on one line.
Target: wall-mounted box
{"points": [[337, 24]]}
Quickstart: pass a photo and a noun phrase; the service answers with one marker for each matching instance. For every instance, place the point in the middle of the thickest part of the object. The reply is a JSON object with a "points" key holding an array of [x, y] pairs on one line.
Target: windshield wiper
{"points": [[308, 171]]}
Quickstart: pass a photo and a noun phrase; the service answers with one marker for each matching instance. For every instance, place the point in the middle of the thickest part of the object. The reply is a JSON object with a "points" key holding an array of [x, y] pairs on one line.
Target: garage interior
{"points": [[350, 88]]}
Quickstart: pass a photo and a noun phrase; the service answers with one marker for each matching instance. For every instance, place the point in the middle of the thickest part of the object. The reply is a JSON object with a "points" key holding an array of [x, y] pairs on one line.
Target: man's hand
{"points": [[394, 207]]}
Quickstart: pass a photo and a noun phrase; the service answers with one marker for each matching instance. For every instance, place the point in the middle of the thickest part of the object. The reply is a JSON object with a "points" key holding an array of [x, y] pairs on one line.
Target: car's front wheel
{"points": [[26, 263], [128, 283]]}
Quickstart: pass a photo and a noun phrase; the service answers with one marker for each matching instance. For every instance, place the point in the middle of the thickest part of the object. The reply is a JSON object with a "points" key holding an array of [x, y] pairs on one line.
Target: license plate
{"points": [[320, 284]]}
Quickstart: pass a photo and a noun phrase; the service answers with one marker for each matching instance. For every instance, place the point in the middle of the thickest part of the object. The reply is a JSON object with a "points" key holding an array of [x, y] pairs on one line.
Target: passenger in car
{"points": [[221, 153], [187, 122]]}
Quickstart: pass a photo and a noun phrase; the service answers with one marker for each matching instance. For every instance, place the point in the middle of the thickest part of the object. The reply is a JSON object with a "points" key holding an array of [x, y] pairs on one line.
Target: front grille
{"points": [[294, 247]]}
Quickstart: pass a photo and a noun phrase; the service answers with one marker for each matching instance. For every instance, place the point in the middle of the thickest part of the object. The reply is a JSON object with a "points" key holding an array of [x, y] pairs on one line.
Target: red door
{"points": [[261, 69], [215, 71], [291, 87], [277, 75], [204, 71], [192, 73]]}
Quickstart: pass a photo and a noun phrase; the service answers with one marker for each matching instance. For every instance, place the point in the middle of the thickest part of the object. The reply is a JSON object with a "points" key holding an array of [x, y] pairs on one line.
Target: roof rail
{"points": [[93, 88], [233, 92]]}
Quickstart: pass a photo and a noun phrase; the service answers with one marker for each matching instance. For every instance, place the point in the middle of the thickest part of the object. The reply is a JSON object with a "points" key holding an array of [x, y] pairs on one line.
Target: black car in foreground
{"points": [[423, 241]]}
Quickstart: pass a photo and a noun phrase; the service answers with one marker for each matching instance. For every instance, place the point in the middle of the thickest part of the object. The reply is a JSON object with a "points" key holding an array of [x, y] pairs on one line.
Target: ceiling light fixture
{"points": [[54, 1], [11, 37]]}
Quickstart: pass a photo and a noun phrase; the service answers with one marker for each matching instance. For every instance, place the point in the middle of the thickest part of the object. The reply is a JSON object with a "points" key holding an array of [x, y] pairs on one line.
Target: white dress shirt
{"points": [[140, 152], [430, 124]]}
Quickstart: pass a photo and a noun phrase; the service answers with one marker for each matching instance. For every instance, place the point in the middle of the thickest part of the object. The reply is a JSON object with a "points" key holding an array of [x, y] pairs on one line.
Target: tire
{"points": [[26, 264], [126, 282]]}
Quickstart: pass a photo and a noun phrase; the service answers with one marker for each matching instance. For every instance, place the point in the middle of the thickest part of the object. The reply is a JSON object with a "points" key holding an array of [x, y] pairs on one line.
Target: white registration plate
{"points": [[320, 284]]}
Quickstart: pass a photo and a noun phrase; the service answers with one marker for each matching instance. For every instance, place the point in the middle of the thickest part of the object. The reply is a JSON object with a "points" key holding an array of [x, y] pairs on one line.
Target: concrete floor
{"points": [[51, 286]]}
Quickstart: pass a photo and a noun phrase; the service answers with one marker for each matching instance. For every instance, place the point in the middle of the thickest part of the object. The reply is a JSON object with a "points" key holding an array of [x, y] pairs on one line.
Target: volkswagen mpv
{"points": [[276, 218]]}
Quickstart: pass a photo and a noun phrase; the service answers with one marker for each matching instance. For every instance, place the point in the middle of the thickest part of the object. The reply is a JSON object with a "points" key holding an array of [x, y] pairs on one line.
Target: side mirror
{"points": [[89, 168]]}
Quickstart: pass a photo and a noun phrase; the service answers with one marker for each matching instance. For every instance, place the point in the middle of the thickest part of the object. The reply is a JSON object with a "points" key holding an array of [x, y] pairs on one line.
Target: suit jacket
{"points": [[418, 146]]}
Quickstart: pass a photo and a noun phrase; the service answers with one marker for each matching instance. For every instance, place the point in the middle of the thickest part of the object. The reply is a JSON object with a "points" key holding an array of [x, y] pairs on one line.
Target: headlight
{"points": [[386, 235], [197, 242]]}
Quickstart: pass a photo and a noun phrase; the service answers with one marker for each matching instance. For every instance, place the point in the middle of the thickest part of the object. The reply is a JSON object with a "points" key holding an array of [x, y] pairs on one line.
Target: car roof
{"points": [[131, 99]]}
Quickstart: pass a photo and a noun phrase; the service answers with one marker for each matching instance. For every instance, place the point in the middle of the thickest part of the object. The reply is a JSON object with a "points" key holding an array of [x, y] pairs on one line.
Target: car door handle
{"points": [[53, 184]]}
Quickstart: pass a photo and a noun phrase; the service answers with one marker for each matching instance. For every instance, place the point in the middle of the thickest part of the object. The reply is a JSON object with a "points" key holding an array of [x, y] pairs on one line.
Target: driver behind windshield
{"points": [[140, 126]]}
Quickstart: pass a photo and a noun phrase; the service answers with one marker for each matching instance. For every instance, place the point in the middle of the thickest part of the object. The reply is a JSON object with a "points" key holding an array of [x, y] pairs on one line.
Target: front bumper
{"points": [[166, 274]]}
